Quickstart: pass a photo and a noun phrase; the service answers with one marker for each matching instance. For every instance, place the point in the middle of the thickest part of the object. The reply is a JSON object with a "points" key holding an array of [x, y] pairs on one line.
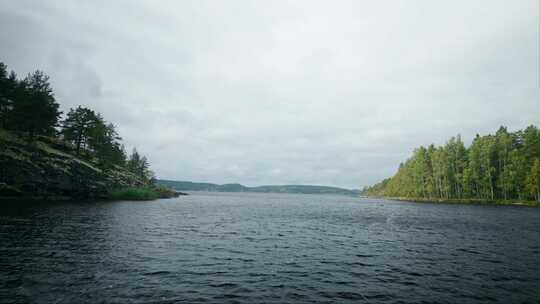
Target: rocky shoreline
{"points": [[47, 169]]}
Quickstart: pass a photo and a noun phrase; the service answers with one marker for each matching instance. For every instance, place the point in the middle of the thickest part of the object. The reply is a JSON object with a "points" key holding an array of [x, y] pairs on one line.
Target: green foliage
{"points": [[90, 133], [77, 127], [504, 166], [106, 145], [139, 166], [8, 85], [27, 105], [533, 180], [135, 194]]}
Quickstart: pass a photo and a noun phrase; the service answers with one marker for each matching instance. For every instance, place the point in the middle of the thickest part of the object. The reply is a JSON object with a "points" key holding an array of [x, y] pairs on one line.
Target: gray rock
{"points": [[47, 168]]}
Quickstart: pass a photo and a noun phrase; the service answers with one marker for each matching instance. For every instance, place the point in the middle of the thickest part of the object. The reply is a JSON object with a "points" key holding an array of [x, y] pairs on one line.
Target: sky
{"points": [[284, 92]]}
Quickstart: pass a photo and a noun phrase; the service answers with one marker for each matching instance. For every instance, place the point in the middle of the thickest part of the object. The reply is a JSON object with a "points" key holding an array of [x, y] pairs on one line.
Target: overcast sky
{"points": [[284, 92]]}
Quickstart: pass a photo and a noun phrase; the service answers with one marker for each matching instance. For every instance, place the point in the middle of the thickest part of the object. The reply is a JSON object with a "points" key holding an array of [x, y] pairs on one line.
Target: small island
{"points": [[78, 157]]}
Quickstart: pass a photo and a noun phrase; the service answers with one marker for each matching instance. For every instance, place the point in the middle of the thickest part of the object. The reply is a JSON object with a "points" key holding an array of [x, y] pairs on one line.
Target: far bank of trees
{"points": [[503, 166], [28, 107]]}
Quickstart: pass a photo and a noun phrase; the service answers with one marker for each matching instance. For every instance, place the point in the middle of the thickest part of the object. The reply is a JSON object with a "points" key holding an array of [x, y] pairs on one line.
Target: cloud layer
{"points": [[278, 92]]}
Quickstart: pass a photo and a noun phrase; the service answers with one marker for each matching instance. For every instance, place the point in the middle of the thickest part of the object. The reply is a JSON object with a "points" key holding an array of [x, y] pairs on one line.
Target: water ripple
{"points": [[268, 248]]}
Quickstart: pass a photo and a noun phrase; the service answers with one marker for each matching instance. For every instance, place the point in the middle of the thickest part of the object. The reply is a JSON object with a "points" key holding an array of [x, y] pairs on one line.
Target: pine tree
{"points": [[4, 98], [78, 125], [139, 165], [8, 87], [105, 144], [35, 110], [29, 107]]}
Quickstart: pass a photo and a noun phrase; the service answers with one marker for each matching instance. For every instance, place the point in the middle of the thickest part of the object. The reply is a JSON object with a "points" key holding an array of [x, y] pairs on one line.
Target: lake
{"points": [[268, 248]]}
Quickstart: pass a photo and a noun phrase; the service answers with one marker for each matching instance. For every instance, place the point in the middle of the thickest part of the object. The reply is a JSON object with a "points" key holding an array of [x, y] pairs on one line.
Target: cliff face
{"points": [[48, 168]]}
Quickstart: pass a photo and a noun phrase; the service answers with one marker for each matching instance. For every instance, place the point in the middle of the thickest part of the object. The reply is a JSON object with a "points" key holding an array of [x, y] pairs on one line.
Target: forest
{"points": [[500, 167], [28, 108]]}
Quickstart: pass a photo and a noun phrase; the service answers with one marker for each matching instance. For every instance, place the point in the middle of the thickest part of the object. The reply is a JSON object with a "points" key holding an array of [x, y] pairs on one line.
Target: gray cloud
{"points": [[275, 92]]}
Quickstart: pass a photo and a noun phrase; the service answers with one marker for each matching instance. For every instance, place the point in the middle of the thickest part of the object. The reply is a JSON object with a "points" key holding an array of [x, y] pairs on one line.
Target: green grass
{"points": [[135, 194]]}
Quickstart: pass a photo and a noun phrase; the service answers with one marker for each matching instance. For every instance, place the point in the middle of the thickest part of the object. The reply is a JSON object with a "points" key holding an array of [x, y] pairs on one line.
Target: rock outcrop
{"points": [[48, 168]]}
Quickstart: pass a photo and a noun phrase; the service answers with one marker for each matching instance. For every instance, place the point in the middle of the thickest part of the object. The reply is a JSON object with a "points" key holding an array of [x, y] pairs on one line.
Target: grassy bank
{"points": [[467, 201], [143, 193], [135, 194]]}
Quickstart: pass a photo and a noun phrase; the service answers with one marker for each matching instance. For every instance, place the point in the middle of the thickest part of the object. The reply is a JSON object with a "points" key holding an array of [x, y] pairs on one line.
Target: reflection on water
{"points": [[271, 248]]}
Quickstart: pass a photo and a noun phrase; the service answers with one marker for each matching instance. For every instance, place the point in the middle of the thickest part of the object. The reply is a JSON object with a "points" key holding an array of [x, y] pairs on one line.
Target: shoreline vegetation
{"points": [[144, 193], [77, 156], [498, 169], [131, 194], [469, 201]]}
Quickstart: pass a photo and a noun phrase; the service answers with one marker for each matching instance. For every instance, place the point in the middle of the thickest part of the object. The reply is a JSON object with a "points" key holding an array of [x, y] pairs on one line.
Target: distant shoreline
{"points": [[298, 189]]}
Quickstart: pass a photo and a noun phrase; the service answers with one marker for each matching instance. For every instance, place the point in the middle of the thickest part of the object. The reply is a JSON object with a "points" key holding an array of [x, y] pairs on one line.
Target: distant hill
{"points": [[304, 189]]}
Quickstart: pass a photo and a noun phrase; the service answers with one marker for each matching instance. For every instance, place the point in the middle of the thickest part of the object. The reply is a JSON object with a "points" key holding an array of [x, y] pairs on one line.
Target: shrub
{"points": [[139, 194]]}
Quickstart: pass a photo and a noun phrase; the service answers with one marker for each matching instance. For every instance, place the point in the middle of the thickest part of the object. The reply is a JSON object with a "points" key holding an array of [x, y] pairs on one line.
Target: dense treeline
{"points": [[28, 107], [503, 166]]}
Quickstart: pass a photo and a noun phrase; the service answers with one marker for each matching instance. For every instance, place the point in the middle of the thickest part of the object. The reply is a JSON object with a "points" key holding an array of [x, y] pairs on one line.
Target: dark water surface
{"points": [[268, 248]]}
